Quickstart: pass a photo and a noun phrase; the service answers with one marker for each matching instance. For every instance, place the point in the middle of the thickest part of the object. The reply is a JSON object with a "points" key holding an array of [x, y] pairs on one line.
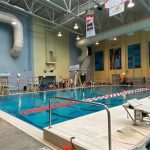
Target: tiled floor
{"points": [[91, 131], [11, 138], [34, 132]]}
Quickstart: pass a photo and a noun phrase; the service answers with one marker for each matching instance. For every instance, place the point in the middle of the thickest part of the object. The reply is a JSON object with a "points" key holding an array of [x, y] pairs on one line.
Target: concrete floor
{"points": [[11, 138]]}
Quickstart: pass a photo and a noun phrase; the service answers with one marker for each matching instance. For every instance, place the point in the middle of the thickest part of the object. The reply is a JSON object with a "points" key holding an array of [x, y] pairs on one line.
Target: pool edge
{"points": [[27, 128]]}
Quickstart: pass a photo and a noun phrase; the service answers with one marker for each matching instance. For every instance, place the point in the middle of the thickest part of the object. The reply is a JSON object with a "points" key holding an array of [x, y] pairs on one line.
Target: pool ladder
{"points": [[86, 102]]}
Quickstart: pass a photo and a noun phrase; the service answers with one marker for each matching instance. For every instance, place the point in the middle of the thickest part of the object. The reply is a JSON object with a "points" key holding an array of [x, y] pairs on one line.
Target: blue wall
{"points": [[24, 63], [74, 51]]}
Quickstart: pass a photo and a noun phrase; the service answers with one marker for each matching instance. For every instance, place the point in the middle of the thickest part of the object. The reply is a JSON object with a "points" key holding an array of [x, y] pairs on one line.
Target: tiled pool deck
{"points": [[11, 138], [28, 129], [90, 131]]}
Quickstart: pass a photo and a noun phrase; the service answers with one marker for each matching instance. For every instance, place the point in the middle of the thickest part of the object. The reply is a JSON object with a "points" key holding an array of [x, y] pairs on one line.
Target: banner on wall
{"points": [[90, 29]]}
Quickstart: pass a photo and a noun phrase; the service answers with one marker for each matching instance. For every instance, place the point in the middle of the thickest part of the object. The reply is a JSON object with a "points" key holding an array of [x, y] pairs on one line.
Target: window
{"points": [[115, 58], [99, 61], [134, 56]]}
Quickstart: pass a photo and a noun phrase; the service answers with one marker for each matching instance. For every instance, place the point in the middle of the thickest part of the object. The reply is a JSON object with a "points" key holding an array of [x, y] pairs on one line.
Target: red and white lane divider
{"points": [[39, 109], [58, 105], [123, 93]]}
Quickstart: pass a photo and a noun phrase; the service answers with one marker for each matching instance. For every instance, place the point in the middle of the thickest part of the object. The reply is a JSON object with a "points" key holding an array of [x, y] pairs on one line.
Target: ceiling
{"points": [[61, 15]]}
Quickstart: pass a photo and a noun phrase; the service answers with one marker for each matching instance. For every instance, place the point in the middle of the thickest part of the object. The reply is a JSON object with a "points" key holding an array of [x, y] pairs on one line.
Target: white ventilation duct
{"points": [[125, 29], [84, 59], [85, 64], [18, 32], [84, 53]]}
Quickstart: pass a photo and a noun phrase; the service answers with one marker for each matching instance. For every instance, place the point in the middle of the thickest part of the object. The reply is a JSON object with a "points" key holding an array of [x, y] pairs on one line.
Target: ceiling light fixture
{"points": [[96, 43], [78, 37], [18, 74], [130, 4], [114, 38], [59, 34], [76, 26]]}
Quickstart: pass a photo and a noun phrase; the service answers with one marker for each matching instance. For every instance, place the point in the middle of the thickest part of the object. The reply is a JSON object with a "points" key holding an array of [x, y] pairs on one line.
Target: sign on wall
{"points": [[4, 73], [74, 67]]}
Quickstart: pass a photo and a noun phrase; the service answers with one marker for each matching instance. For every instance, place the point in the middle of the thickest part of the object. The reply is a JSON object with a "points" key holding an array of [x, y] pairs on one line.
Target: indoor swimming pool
{"points": [[32, 107]]}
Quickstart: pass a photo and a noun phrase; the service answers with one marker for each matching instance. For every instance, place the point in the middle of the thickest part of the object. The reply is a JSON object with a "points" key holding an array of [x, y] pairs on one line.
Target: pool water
{"points": [[16, 104]]}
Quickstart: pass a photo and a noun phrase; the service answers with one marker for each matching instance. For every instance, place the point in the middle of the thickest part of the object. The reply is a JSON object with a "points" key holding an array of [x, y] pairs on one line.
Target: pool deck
{"points": [[28, 131], [90, 131], [11, 138]]}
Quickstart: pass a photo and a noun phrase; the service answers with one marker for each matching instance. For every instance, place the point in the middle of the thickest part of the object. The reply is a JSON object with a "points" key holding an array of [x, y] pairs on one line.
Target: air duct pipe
{"points": [[128, 28], [18, 32], [84, 53], [84, 59]]}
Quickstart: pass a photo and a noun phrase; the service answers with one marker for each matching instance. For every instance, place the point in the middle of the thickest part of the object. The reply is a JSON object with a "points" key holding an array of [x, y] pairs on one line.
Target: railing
{"points": [[91, 103]]}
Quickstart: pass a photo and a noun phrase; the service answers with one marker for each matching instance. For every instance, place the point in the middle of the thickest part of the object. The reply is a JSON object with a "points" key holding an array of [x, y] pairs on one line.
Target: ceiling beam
{"points": [[121, 19], [64, 10], [37, 9], [145, 5], [70, 4], [148, 2], [78, 10], [66, 5], [27, 5], [45, 4], [32, 5], [69, 12], [39, 17]]}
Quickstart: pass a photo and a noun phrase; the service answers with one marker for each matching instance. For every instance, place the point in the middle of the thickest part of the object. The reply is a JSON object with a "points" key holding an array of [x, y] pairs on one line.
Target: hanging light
{"points": [[59, 34], [14, 22], [130, 4], [18, 74], [96, 43], [76, 26], [114, 38], [123, 73], [78, 37]]}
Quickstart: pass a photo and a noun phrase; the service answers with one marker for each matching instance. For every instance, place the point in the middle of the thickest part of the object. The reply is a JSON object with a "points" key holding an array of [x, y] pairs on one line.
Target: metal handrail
{"points": [[92, 103]]}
